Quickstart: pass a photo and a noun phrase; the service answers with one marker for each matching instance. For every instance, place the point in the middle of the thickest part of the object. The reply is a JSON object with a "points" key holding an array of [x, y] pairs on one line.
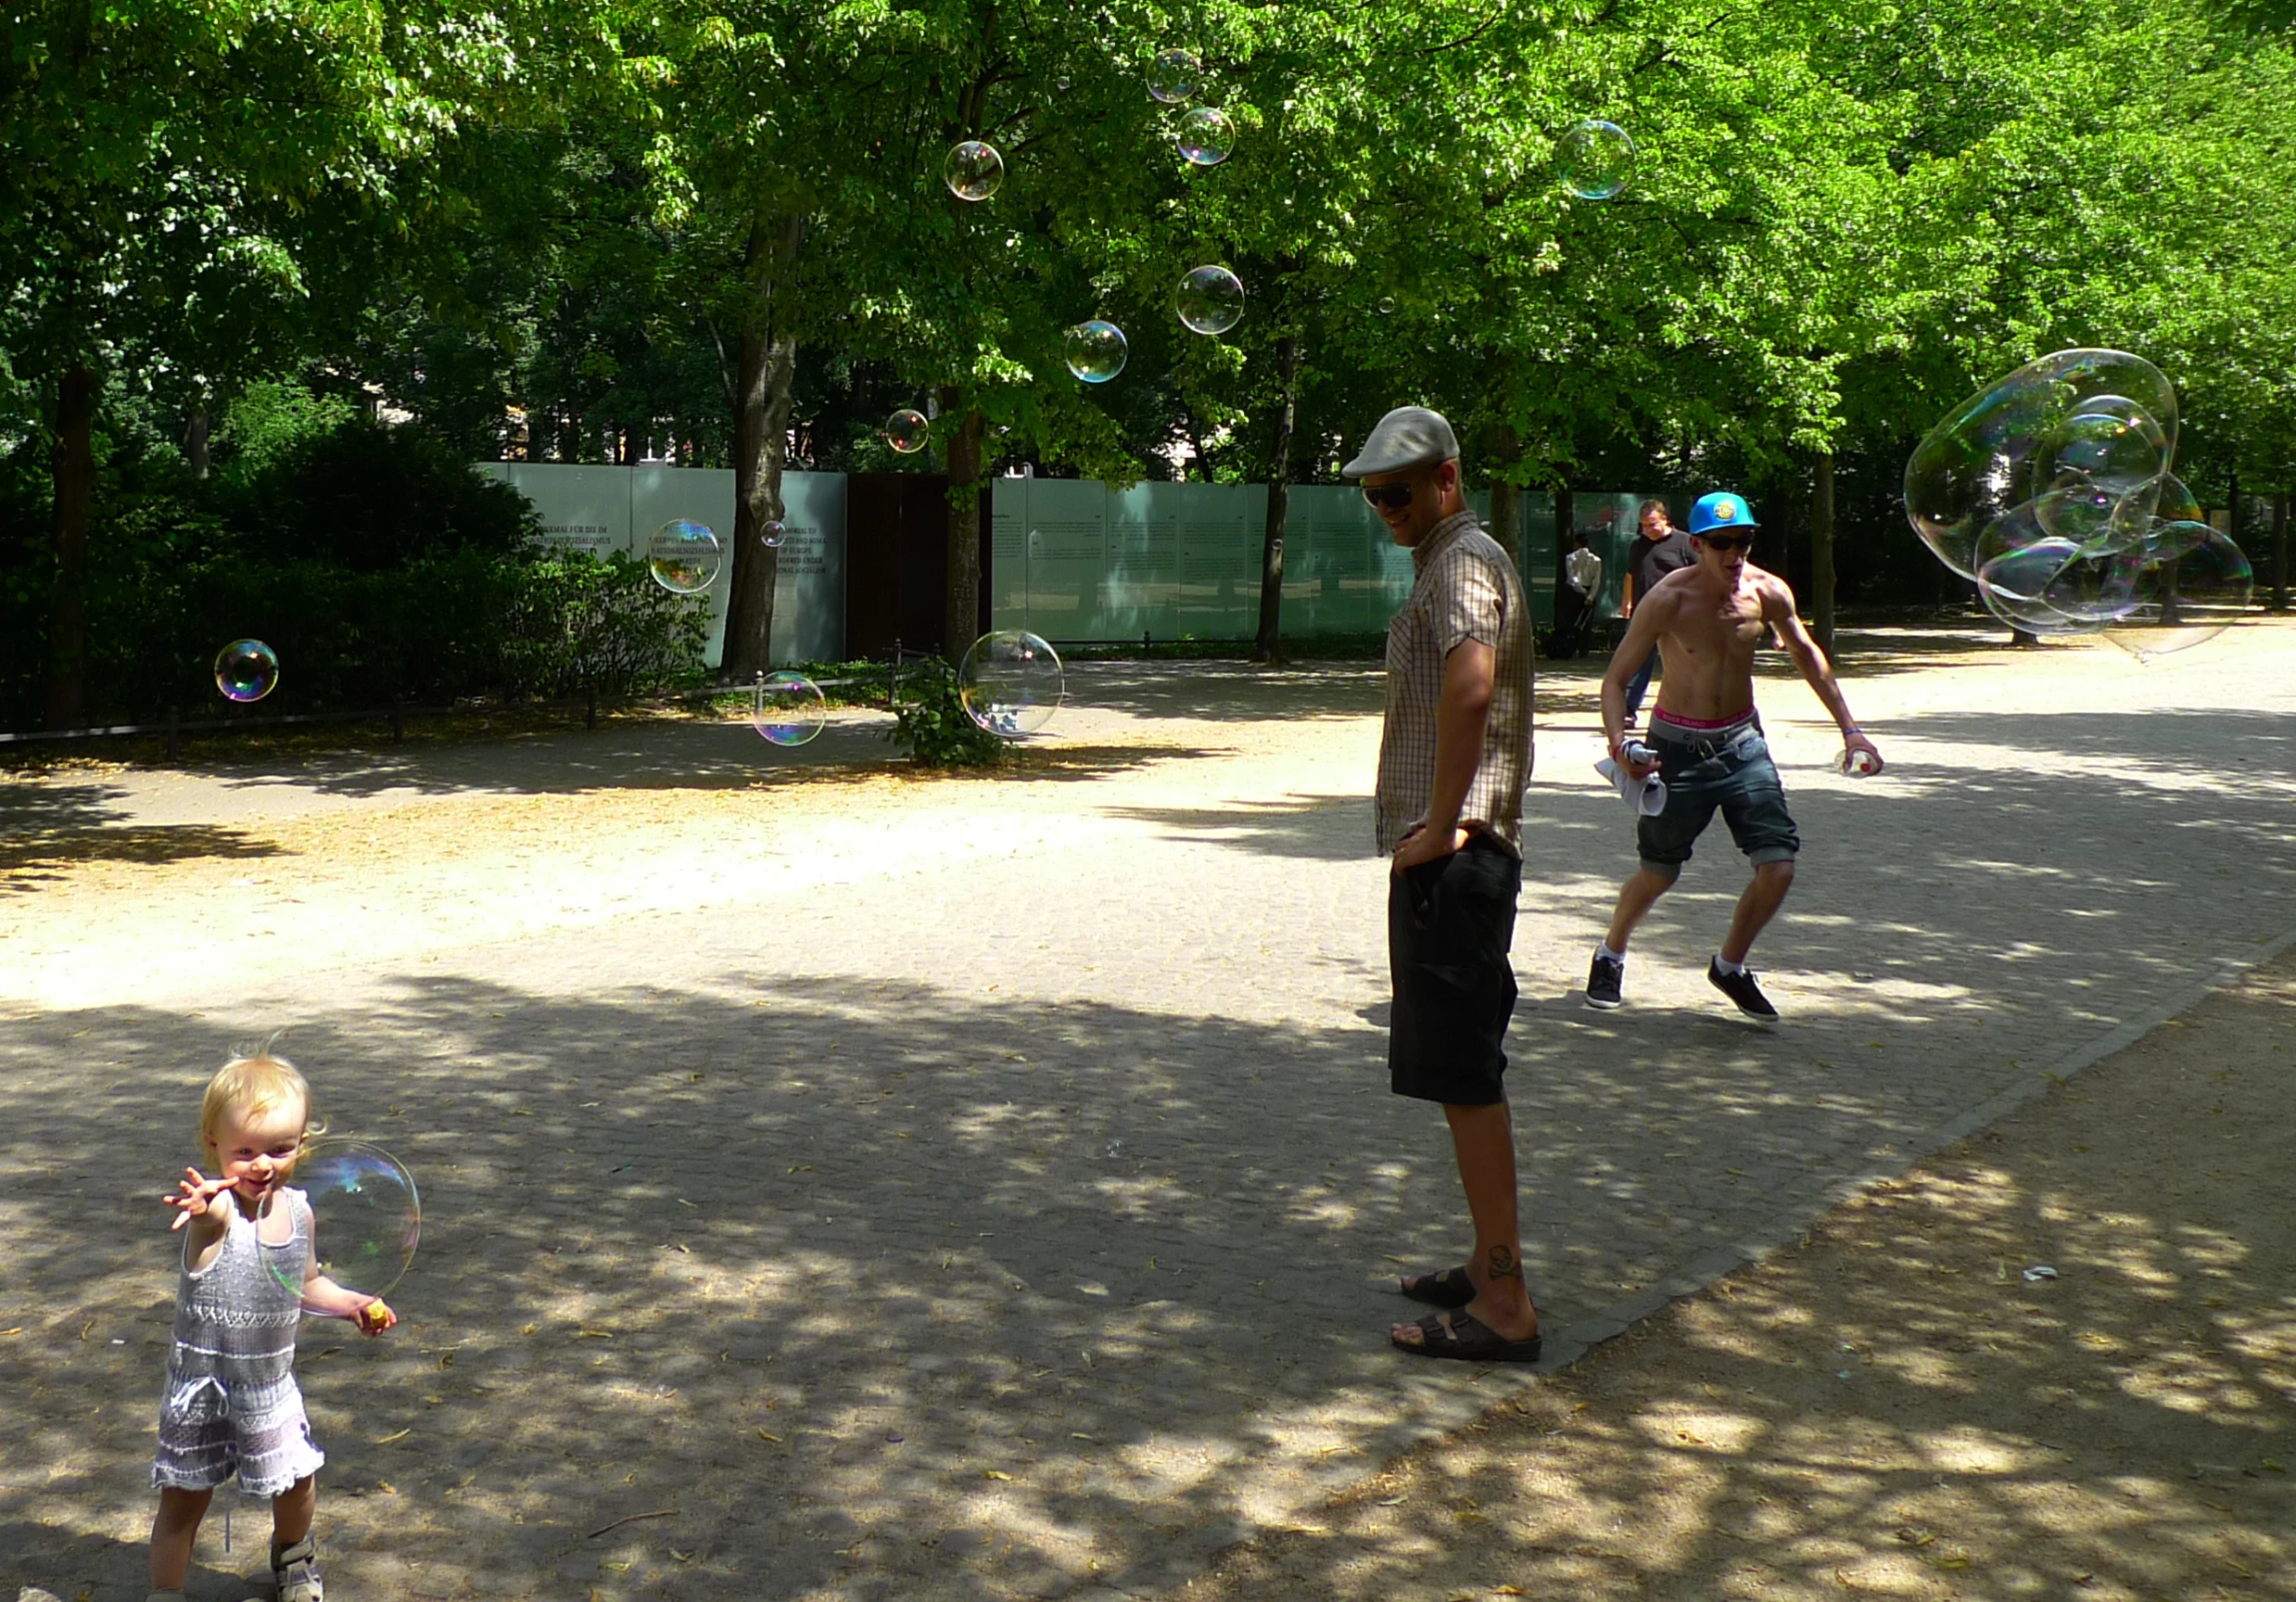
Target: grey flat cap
{"points": [[1408, 437]]}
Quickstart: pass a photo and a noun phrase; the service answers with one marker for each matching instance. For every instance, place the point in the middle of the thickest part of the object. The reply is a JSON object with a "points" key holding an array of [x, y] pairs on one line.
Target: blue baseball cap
{"points": [[1721, 510]]}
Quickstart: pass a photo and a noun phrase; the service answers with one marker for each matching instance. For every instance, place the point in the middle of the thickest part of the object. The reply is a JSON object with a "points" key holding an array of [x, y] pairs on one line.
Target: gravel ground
{"points": [[987, 1188]]}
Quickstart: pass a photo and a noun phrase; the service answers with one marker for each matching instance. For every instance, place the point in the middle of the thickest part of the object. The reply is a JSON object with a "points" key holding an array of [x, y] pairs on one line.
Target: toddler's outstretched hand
{"points": [[196, 1196], [376, 1317]]}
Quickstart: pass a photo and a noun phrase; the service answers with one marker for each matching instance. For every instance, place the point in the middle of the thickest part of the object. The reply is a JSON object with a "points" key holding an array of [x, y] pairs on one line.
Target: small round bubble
{"points": [[787, 709], [973, 170], [1596, 159], [246, 671], [683, 556], [366, 1214], [1385, 305], [1206, 136], [771, 536], [1175, 76], [1210, 300], [1010, 682], [1094, 351], [906, 431]]}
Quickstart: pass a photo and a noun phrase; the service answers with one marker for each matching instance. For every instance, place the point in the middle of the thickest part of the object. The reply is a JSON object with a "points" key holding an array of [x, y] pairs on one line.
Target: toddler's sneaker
{"points": [[296, 1573]]}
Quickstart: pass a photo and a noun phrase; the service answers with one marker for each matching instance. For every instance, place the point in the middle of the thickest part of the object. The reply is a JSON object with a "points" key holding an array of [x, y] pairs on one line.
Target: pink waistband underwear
{"points": [[1659, 715]]}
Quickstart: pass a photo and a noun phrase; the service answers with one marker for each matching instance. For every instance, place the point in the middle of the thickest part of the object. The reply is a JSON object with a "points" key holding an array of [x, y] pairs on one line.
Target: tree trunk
{"points": [[2280, 553], [1268, 646], [196, 440], [1822, 549], [75, 483], [962, 625], [1565, 514], [765, 370], [1505, 448]]}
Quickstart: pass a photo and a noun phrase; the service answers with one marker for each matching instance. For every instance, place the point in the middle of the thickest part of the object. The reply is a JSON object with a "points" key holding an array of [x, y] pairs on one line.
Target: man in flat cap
{"points": [[1454, 755]]}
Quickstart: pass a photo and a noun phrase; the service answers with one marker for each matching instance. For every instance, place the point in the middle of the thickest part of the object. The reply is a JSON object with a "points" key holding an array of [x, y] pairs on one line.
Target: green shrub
{"points": [[931, 725]]}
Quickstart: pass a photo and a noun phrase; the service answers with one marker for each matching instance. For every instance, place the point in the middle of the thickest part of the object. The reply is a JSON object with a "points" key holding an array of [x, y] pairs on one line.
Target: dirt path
{"points": [[1902, 1406], [905, 1179]]}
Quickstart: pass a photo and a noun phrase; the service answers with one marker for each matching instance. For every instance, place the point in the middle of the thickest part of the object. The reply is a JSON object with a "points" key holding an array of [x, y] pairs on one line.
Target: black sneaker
{"points": [[1602, 981], [1739, 987]]}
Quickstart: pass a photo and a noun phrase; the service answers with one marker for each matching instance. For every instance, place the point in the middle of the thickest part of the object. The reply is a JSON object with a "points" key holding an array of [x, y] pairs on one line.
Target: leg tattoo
{"points": [[1503, 1264]]}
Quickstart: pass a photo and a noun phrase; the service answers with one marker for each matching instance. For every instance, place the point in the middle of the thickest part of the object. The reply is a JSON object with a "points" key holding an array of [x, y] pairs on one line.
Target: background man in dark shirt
{"points": [[1659, 551]]}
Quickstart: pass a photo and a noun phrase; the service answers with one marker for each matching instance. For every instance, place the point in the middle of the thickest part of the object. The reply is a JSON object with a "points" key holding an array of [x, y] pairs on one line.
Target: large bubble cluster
{"points": [[2054, 489]]}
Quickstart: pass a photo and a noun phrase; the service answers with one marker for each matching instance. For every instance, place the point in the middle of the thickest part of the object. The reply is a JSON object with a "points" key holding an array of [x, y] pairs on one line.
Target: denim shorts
{"points": [[1736, 776], [1450, 926]]}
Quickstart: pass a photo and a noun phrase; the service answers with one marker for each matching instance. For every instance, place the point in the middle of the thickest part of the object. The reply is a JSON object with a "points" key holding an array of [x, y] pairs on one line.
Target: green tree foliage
{"points": [[603, 229]]}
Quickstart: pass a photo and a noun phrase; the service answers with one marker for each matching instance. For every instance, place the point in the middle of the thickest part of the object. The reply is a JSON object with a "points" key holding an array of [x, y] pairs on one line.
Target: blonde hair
{"points": [[256, 1082]]}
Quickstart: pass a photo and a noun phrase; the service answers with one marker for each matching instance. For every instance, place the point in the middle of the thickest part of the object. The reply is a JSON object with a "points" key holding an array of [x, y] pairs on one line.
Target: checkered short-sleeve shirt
{"points": [[1466, 588]]}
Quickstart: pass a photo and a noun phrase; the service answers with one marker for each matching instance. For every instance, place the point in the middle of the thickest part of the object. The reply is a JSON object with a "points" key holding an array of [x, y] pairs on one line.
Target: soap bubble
{"points": [[2192, 583], [2015, 586], [1210, 300], [1206, 136], [1010, 682], [906, 431], [1385, 305], [973, 170], [2095, 421], [1175, 76], [246, 671], [787, 709], [683, 556], [774, 534], [1095, 351], [1596, 159], [366, 1214]]}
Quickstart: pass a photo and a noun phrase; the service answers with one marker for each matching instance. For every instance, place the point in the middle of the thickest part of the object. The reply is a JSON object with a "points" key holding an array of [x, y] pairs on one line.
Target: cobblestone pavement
{"points": [[989, 1189]]}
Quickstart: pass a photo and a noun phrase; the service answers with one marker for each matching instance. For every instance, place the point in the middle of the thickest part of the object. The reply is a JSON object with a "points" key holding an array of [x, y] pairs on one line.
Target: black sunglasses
{"points": [[1394, 497], [1728, 542]]}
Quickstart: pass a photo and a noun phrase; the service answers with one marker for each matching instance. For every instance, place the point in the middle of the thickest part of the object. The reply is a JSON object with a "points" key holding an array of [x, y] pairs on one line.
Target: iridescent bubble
{"points": [[1094, 351], [787, 709], [2093, 589], [2015, 584], [1596, 159], [683, 556], [1385, 305], [2013, 442], [907, 430], [1175, 76], [774, 534], [973, 170], [2106, 451], [1010, 682], [366, 1218], [1206, 136], [1210, 300], [2192, 583], [246, 671]]}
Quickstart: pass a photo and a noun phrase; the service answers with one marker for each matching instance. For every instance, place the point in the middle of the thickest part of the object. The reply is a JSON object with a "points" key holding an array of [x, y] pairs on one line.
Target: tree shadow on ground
{"points": [[888, 1289], [1894, 1408], [29, 861]]}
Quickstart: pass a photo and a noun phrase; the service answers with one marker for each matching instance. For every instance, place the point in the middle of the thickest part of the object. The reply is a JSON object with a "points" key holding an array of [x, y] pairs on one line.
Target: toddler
{"points": [[249, 1272]]}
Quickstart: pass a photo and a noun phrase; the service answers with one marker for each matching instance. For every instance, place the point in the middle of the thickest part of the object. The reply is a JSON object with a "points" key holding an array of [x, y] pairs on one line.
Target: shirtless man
{"points": [[1706, 740]]}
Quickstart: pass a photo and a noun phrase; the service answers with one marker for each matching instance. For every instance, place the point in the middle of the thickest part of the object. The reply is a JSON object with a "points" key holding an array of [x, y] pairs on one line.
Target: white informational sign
{"points": [[604, 510]]}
